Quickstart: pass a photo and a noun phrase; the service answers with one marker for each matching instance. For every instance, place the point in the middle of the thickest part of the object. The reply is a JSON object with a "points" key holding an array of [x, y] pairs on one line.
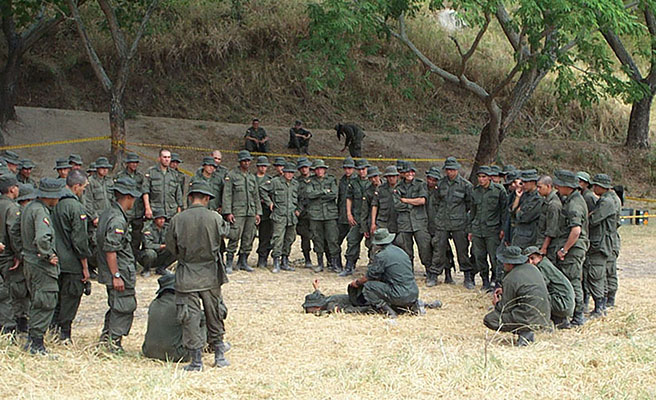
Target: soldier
{"points": [[322, 210], [355, 196], [522, 305], [433, 176], [12, 160], [41, 260], [91, 170], [561, 292], [353, 138], [299, 138], [155, 254], [383, 214], [412, 219], [136, 213], [69, 218], [75, 161], [9, 212], [207, 173], [454, 194], [25, 172], [256, 138], [495, 175], [572, 240], [373, 174], [584, 187], [242, 209], [116, 264], [265, 227], [303, 225], [219, 176], [611, 265], [161, 187], [97, 198], [343, 225], [390, 281], [194, 238], [279, 164], [548, 221], [487, 212], [526, 209], [282, 201], [63, 168], [181, 177]]}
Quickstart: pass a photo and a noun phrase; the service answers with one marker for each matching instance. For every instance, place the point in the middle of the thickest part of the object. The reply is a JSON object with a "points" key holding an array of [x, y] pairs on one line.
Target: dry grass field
{"points": [[280, 352]]}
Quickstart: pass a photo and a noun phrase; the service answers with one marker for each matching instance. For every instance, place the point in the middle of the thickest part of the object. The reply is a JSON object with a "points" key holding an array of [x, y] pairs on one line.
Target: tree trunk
{"points": [[637, 136], [490, 139], [117, 128], [8, 78]]}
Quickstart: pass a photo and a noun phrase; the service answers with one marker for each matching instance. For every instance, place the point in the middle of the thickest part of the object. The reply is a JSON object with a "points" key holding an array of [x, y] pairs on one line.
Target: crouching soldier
{"points": [[155, 254]]}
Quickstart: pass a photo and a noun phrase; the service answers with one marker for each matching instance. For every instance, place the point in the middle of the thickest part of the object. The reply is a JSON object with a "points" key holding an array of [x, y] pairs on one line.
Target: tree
{"points": [[125, 53], [23, 24], [539, 34]]}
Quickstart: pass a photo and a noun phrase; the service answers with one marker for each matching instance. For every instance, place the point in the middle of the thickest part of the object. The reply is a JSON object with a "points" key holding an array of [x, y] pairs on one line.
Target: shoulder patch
{"points": [[46, 221], [17, 212], [147, 175], [147, 233], [119, 231], [83, 216], [227, 178]]}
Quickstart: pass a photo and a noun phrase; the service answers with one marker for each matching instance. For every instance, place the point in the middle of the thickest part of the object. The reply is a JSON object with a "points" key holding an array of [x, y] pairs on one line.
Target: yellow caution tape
{"points": [[43, 144], [641, 199], [635, 216]]}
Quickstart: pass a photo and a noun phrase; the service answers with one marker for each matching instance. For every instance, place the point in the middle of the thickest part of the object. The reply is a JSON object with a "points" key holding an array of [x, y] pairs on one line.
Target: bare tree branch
{"points": [[142, 28]]}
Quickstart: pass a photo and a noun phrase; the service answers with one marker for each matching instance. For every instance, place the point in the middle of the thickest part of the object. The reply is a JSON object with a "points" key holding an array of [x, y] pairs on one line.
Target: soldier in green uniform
{"points": [[97, 198], [584, 187], [256, 138], [572, 240], [343, 225], [487, 212], [194, 238], [9, 212], [353, 135], [161, 187], [63, 168], [383, 214], [611, 265], [373, 174], [299, 138], [91, 170], [412, 218], [355, 197], [389, 281], [561, 292], [116, 264], [454, 194], [282, 201], [522, 305], [322, 209], [279, 164], [69, 218], [603, 227], [25, 172], [207, 173], [303, 226], [265, 227], [12, 161], [495, 175], [548, 221], [75, 161], [526, 209], [219, 174], [176, 160], [433, 176], [41, 260], [136, 214], [242, 209], [155, 254]]}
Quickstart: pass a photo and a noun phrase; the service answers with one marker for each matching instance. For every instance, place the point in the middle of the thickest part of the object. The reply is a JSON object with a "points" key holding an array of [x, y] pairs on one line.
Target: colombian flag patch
{"points": [[119, 231]]}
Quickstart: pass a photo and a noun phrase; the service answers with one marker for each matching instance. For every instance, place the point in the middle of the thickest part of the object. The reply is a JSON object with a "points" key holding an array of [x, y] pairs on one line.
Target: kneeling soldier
{"points": [[155, 254]]}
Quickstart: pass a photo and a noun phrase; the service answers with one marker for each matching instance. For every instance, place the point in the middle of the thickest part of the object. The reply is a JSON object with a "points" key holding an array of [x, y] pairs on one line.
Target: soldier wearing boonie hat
{"points": [[343, 226], [136, 213], [322, 210], [526, 209], [9, 213], [25, 172], [355, 199]]}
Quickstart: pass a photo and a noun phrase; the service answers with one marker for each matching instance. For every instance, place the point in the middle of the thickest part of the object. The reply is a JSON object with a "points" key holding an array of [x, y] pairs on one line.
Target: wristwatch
{"points": [[117, 275], [562, 249]]}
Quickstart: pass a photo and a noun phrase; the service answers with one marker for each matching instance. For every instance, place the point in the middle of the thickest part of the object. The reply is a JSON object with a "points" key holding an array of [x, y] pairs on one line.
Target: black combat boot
{"points": [[196, 363], [431, 279], [228, 263], [389, 311], [486, 282], [578, 319], [308, 260], [598, 308], [242, 263], [285, 264], [261, 261], [219, 356], [610, 300], [35, 346], [586, 300], [469, 280], [525, 338], [350, 266], [21, 325], [330, 266], [448, 279], [276, 265], [561, 323], [319, 266], [65, 333], [115, 345]]}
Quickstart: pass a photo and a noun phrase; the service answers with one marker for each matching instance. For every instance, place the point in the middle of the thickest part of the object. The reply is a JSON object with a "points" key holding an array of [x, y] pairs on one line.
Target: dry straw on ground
{"points": [[279, 352]]}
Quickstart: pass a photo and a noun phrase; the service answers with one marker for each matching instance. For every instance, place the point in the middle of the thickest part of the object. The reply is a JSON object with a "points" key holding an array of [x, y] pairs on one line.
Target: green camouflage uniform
{"points": [[163, 190], [356, 192], [241, 198], [322, 209], [412, 221], [284, 197], [487, 215], [548, 223]]}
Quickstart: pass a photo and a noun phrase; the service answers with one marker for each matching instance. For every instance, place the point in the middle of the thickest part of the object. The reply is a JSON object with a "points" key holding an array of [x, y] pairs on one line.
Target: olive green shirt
{"points": [[241, 195], [258, 133], [284, 197], [137, 211], [98, 195], [264, 186], [9, 214], [589, 197], [26, 181], [603, 224], [72, 240], [548, 221], [153, 236], [163, 189], [574, 213], [303, 201], [384, 203], [365, 210], [525, 298], [526, 219], [356, 193], [114, 235], [215, 183], [322, 195], [342, 191], [38, 238], [487, 211], [561, 292], [411, 218], [455, 200], [392, 266]]}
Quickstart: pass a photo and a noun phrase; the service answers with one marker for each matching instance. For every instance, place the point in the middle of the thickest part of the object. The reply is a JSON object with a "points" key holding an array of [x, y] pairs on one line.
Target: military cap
{"points": [[383, 236], [62, 163], [362, 164], [531, 250], [262, 161], [484, 170], [319, 163], [166, 282], [11, 157], [508, 168], [91, 167], [348, 163], [126, 185], [255, 120], [315, 299], [159, 213], [289, 167], [244, 155], [601, 180], [373, 171], [451, 163], [298, 122], [566, 178], [303, 162], [103, 162], [75, 159], [26, 192], [50, 188], [511, 255], [511, 176], [583, 176], [200, 186], [409, 166], [207, 160], [26, 163], [175, 157], [391, 171], [132, 157], [495, 170], [279, 161], [434, 172], [400, 164], [7, 181], [529, 175]]}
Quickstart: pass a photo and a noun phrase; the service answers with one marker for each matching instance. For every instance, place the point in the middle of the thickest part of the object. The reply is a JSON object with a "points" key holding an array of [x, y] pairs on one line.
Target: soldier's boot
{"points": [[308, 260], [219, 356], [331, 264], [610, 300], [525, 338], [561, 323], [228, 263], [261, 261], [448, 279], [35, 346], [389, 311], [65, 333], [431, 279], [21, 325], [242, 263], [276, 265], [340, 267], [598, 308], [469, 280], [486, 282], [350, 266], [578, 319], [285, 264], [418, 307], [319, 267], [115, 345], [196, 363], [586, 300]]}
